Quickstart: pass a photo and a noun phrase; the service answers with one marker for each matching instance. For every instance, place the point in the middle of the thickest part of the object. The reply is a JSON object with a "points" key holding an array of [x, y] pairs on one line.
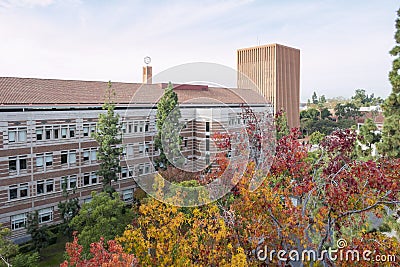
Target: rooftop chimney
{"points": [[147, 72]]}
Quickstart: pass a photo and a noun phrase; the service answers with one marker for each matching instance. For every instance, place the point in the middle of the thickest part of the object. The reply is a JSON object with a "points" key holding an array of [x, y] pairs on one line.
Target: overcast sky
{"points": [[344, 44]]}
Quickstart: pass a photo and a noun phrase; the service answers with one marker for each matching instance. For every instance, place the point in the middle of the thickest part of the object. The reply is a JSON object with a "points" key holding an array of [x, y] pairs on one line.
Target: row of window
{"points": [[44, 161], [135, 127], [50, 132], [19, 221], [18, 191], [46, 215]]}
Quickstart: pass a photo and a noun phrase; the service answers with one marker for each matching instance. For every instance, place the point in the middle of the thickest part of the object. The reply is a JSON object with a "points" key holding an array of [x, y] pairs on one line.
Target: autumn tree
{"points": [[166, 235], [109, 138], [103, 216], [105, 254], [390, 145], [167, 123]]}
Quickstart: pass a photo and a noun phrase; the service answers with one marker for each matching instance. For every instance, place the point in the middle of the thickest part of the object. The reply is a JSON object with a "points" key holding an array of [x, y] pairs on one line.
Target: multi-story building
{"points": [[46, 142], [274, 71]]}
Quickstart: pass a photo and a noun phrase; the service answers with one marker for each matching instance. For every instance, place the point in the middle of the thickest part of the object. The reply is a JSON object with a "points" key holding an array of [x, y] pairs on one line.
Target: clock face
{"points": [[147, 60]]}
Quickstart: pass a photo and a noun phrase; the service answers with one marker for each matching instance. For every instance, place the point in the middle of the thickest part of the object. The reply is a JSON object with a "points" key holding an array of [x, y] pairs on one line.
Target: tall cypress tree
{"points": [[168, 115], [390, 145], [109, 138]]}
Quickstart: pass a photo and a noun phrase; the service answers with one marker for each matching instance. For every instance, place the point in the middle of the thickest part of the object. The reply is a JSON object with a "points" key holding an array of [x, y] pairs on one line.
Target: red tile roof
{"points": [[32, 91]]}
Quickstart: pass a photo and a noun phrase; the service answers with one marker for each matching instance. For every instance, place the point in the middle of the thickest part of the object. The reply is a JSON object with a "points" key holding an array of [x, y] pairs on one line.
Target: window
{"points": [[127, 195], [90, 155], [49, 159], [207, 126], [48, 132], [45, 215], [17, 135], [68, 157], [185, 142], [124, 172], [140, 169], [72, 131], [87, 200], [207, 143], [39, 134], [64, 131], [89, 129], [129, 151], [56, 133], [43, 187], [146, 129], [18, 191], [39, 160], [17, 164], [18, 221], [69, 182], [141, 149], [147, 168]]}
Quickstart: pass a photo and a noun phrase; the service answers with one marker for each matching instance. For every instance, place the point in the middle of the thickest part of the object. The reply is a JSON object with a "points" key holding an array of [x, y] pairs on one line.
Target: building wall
{"points": [[273, 71], [34, 145]]}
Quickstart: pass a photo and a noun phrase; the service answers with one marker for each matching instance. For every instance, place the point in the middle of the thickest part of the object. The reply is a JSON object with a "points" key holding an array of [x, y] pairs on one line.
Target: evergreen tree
{"points": [[109, 138], [40, 234], [168, 115], [7, 247], [68, 208], [281, 125], [314, 98], [390, 145]]}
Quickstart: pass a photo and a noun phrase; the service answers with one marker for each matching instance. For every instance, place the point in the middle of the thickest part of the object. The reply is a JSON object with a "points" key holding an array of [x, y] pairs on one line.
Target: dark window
{"points": [[207, 126], [13, 193], [186, 142], [72, 133], [39, 135], [48, 134], [146, 129], [23, 192], [56, 131], [12, 165], [40, 187], [22, 164], [49, 187], [86, 179], [207, 144], [207, 159], [94, 179], [64, 158]]}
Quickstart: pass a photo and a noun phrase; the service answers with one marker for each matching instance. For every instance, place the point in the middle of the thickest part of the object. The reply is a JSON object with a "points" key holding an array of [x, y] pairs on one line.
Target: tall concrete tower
{"points": [[275, 71]]}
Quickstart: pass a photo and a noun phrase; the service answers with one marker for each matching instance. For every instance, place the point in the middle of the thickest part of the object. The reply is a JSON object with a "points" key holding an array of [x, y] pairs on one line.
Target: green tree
{"points": [[26, 260], [314, 98], [104, 216], [322, 99], [281, 124], [347, 111], [325, 114], [7, 247], [109, 138], [40, 234], [390, 145], [168, 115], [367, 137]]}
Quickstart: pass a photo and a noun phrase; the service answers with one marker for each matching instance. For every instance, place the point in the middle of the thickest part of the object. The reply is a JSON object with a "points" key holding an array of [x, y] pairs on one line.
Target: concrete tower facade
{"points": [[275, 71]]}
